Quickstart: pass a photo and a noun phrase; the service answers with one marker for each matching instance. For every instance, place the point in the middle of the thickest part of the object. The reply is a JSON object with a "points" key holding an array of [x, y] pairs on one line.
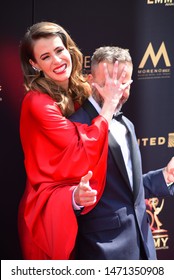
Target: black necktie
{"points": [[118, 116]]}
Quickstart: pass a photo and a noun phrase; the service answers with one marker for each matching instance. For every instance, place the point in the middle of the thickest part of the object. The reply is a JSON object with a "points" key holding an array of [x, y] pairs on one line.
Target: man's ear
{"points": [[90, 79]]}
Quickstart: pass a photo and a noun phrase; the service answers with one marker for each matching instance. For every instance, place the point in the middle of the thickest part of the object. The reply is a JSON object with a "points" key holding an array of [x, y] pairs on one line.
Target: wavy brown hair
{"points": [[78, 89]]}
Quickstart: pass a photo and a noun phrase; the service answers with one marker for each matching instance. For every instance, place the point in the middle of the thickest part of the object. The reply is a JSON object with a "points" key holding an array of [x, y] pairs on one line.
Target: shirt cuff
{"points": [[76, 206]]}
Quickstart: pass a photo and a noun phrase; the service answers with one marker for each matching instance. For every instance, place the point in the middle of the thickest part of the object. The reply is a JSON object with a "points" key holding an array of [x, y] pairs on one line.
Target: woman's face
{"points": [[53, 59]]}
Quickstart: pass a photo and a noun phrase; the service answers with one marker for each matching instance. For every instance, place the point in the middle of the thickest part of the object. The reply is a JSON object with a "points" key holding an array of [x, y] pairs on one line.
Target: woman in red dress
{"points": [[57, 152]]}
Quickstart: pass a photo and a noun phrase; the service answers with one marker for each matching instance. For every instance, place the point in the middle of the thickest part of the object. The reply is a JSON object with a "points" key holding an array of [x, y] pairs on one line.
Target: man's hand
{"points": [[169, 172]]}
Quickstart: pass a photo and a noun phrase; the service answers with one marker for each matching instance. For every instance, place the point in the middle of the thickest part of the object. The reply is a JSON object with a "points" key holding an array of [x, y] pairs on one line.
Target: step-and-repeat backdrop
{"points": [[145, 27]]}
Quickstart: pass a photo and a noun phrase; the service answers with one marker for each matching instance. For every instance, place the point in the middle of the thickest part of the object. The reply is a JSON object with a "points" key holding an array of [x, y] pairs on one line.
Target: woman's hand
{"points": [[84, 195], [112, 89]]}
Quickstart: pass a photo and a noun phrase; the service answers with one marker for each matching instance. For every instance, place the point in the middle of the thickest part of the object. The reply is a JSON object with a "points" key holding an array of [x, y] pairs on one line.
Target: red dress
{"points": [[57, 153]]}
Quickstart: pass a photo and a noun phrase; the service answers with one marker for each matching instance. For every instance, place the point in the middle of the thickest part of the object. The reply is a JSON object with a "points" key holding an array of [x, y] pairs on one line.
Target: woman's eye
{"points": [[45, 57], [59, 50]]}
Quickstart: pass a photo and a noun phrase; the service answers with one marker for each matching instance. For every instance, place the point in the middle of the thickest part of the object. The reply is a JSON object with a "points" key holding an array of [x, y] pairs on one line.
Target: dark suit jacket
{"points": [[118, 227]]}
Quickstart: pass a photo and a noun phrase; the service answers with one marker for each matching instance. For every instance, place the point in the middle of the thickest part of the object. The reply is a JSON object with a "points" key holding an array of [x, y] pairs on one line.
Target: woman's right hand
{"points": [[84, 195], [112, 90]]}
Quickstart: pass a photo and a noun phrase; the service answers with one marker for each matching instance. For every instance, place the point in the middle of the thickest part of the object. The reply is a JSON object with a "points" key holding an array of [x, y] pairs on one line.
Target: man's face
{"points": [[99, 78]]}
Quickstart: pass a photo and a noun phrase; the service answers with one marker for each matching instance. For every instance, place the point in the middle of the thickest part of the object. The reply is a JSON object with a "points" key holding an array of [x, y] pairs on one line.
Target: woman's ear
{"points": [[34, 65]]}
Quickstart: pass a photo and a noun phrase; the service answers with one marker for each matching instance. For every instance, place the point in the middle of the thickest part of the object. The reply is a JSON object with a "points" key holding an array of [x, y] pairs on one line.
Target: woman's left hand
{"points": [[84, 195]]}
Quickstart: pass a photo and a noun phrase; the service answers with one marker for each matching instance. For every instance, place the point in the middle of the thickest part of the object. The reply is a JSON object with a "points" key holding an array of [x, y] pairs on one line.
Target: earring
{"points": [[36, 69]]}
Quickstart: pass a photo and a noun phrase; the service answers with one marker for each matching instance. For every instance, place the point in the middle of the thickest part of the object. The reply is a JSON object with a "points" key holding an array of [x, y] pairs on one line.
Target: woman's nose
{"points": [[56, 59]]}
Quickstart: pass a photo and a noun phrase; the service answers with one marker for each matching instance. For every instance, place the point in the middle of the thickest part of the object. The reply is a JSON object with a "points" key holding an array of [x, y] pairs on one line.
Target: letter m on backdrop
{"points": [[155, 58]]}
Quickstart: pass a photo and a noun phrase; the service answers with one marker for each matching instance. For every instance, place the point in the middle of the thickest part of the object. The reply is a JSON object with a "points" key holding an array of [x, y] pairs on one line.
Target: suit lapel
{"points": [[89, 108], [136, 162]]}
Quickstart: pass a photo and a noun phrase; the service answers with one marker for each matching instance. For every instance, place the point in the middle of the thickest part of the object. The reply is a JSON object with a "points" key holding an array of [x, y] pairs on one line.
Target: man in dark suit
{"points": [[118, 227]]}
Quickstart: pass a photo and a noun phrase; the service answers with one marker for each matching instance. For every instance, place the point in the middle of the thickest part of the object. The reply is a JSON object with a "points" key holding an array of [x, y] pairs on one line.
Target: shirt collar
{"points": [[98, 108]]}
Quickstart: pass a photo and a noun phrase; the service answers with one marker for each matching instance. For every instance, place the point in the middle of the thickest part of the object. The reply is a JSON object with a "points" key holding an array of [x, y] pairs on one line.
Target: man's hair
{"points": [[110, 54]]}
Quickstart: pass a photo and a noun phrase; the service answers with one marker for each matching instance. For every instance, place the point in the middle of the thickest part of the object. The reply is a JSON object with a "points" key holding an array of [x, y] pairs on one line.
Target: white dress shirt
{"points": [[119, 132]]}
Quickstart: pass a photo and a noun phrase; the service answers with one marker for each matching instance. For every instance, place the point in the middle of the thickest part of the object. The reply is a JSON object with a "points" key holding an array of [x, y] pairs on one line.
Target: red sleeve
{"points": [[57, 154]]}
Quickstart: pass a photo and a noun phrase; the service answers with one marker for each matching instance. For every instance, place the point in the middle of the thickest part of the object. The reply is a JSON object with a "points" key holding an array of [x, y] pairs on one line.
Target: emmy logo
{"points": [[159, 234]]}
